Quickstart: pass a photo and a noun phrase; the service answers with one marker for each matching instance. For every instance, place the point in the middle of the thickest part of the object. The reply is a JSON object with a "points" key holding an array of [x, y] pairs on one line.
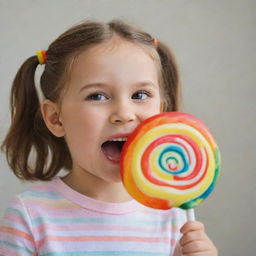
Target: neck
{"points": [[96, 188]]}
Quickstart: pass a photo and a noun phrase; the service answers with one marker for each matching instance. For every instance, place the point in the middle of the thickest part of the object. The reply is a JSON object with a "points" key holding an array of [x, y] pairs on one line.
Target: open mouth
{"points": [[112, 149]]}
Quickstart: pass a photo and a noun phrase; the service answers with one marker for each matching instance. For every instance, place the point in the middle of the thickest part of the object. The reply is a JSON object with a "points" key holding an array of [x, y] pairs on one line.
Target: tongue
{"points": [[112, 151]]}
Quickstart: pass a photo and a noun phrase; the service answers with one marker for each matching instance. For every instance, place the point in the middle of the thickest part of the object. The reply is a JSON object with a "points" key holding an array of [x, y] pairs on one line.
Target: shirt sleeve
{"points": [[16, 238]]}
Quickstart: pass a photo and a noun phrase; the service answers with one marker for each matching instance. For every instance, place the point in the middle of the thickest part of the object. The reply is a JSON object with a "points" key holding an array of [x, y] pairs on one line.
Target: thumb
{"points": [[177, 250]]}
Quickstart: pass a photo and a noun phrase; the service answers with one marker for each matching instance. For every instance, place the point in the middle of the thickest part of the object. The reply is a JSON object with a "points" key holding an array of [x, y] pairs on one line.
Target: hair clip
{"points": [[155, 42], [41, 56]]}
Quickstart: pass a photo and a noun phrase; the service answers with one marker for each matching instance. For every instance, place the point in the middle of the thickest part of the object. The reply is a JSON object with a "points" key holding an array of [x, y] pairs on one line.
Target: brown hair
{"points": [[28, 135]]}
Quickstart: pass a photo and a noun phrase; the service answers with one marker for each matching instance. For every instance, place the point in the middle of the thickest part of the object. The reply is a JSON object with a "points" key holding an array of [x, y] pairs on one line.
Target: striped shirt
{"points": [[51, 219]]}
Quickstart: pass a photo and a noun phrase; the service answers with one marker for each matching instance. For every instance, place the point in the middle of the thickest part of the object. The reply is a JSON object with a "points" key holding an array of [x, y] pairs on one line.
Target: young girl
{"points": [[99, 82]]}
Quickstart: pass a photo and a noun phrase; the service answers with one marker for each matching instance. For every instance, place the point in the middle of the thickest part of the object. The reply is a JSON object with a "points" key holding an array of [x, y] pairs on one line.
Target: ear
{"points": [[50, 112]]}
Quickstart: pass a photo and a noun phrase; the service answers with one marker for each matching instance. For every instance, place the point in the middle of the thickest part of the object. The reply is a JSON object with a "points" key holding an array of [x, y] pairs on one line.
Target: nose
{"points": [[122, 113]]}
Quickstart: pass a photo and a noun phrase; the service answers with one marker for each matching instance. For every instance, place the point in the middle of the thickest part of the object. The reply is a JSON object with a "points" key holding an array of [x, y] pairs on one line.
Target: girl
{"points": [[99, 82]]}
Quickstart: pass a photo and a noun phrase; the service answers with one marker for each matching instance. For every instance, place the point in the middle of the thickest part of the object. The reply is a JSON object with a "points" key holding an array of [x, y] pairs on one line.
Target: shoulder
{"points": [[23, 214], [38, 194], [42, 190]]}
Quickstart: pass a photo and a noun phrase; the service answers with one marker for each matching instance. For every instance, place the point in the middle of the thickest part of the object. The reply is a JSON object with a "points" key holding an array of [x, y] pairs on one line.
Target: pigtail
{"points": [[24, 144], [24, 105], [170, 76]]}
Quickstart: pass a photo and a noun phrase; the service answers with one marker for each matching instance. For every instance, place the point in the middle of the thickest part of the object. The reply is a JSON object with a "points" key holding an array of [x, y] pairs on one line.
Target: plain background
{"points": [[215, 46]]}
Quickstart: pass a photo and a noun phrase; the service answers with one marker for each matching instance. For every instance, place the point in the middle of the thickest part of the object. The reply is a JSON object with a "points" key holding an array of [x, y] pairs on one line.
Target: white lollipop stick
{"points": [[190, 214]]}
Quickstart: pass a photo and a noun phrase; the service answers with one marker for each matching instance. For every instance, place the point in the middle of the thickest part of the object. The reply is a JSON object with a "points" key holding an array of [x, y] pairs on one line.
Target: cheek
{"points": [[81, 138], [153, 109], [79, 118], [78, 128]]}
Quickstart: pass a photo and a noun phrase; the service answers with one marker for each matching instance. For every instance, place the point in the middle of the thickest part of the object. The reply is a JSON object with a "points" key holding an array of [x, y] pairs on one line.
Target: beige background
{"points": [[215, 45]]}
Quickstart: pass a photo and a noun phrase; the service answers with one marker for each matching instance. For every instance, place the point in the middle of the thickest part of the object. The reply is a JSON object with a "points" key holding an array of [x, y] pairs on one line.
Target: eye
{"points": [[141, 95], [96, 97]]}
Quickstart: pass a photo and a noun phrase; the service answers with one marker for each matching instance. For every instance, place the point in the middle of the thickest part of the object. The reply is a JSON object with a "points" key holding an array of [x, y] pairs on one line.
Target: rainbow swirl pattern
{"points": [[170, 160]]}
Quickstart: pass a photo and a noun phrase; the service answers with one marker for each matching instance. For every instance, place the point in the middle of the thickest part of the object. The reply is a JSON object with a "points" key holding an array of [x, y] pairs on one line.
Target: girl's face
{"points": [[113, 87]]}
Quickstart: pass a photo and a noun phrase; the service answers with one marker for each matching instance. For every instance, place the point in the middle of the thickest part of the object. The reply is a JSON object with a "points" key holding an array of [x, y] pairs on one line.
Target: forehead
{"points": [[115, 54]]}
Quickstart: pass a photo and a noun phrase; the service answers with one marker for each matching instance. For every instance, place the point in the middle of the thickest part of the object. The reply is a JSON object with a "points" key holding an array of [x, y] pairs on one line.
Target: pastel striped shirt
{"points": [[51, 219]]}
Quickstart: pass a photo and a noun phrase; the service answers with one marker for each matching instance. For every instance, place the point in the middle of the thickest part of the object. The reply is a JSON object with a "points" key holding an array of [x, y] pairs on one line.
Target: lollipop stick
{"points": [[190, 214]]}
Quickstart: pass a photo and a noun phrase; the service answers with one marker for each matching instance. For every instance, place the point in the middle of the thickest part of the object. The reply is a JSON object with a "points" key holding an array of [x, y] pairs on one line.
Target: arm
{"points": [[194, 241], [15, 233]]}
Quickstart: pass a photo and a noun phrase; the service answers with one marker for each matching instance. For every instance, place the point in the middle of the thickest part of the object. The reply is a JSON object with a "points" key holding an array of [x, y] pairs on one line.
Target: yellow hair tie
{"points": [[41, 56]]}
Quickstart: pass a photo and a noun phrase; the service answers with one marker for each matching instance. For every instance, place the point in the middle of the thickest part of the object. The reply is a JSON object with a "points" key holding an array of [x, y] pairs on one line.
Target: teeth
{"points": [[119, 139]]}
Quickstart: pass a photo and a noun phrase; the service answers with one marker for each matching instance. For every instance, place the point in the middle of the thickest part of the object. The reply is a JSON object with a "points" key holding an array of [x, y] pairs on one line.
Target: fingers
{"points": [[193, 236], [194, 247], [195, 241], [198, 247], [192, 226], [199, 254]]}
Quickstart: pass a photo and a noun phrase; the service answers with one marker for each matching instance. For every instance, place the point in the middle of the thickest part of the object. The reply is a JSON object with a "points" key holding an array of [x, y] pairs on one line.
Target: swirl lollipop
{"points": [[170, 160]]}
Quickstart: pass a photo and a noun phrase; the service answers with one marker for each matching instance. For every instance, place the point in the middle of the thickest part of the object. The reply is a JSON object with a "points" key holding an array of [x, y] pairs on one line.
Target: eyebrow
{"points": [[93, 85], [100, 85]]}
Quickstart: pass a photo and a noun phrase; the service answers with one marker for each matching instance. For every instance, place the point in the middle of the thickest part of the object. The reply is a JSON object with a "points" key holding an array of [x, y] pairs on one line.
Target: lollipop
{"points": [[170, 160]]}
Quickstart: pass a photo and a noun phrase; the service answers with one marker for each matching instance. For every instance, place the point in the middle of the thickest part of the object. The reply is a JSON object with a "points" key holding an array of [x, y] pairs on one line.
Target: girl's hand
{"points": [[194, 241]]}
